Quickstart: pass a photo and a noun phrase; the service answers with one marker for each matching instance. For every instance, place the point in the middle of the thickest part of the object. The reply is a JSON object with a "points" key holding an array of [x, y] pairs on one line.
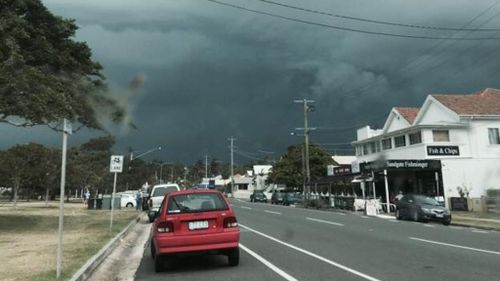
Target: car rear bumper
{"points": [[433, 217], [170, 244]]}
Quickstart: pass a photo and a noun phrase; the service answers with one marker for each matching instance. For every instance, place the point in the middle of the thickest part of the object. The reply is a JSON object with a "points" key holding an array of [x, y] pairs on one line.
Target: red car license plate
{"points": [[194, 225]]}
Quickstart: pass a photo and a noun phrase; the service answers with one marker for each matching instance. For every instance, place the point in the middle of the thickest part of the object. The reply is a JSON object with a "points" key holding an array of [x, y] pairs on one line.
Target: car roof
{"points": [[194, 191], [166, 185]]}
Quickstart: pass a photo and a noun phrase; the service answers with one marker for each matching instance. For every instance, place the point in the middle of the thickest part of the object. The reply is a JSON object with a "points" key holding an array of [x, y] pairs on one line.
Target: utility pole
{"points": [[231, 139], [206, 165], [307, 109]]}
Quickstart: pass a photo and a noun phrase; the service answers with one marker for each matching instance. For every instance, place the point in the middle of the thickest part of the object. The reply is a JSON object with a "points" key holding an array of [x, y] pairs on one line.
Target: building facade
{"points": [[449, 147]]}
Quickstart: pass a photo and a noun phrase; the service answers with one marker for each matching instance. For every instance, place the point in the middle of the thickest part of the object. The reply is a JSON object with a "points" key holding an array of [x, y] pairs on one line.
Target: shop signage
{"points": [[451, 150], [342, 170], [401, 164], [338, 170]]}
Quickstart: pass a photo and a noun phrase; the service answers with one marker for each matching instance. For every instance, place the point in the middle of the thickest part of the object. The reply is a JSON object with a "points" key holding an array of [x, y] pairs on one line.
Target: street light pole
{"points": [[231, 139]]}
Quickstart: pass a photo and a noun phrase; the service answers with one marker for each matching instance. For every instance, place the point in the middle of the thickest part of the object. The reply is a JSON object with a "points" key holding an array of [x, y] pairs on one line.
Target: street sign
{"points": [[116, 164]]}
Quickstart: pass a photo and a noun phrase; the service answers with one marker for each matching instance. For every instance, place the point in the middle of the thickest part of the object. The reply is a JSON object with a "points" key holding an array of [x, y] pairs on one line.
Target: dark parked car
{"points": [[258, 196], [421, 208], [277, 197], [290, 198]]}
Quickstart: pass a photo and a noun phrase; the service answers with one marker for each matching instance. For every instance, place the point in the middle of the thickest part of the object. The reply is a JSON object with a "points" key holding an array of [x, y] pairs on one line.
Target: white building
{"points": [[450, 145]]}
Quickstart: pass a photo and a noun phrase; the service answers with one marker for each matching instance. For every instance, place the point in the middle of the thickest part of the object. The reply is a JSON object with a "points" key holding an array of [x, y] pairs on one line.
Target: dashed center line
{"points": [[338, 265], [245, 207], [268, 264], [455, 246], [323, 221], [480, 231], [272, 212], [428, 225]]}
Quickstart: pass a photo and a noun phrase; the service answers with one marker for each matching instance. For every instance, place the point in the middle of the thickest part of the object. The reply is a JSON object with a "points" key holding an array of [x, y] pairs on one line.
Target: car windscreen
{"points": [[291, 195], [426, 200], [259, 194], [193, 203], [161, 191], [279, 195]]}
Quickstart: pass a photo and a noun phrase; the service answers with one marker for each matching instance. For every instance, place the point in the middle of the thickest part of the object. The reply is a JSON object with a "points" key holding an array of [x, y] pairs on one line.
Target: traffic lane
{"points": [[371, 252], [296, 264], [433, 231], [206, 268]]}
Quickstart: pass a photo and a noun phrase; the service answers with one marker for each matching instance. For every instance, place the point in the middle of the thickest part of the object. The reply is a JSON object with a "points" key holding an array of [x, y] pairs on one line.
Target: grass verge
{"points": [[28, 238]]}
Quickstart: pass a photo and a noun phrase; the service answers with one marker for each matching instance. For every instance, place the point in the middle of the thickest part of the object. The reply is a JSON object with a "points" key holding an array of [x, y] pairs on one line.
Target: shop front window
{"points": [[415, 138], [494, 135], [441, 135], [365, 149], [400, 141]]}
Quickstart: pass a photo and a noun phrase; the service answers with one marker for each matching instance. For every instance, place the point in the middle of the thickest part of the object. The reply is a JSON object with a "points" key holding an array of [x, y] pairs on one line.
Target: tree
{"points": [[288, 170], [45, 75]]}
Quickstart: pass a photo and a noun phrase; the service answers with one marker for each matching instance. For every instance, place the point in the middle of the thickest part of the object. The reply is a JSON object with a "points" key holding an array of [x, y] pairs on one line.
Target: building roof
{"points": [[486, 102], [344, 160], [408, 113]]}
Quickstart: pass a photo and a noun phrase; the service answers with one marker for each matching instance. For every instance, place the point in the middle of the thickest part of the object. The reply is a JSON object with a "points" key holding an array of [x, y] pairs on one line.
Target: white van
{"points": [[156, 197]]}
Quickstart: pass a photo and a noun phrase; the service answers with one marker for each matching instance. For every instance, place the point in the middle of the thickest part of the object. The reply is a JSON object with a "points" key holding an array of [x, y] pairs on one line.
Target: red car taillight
{"points": [[230, 222], [165, 227]]}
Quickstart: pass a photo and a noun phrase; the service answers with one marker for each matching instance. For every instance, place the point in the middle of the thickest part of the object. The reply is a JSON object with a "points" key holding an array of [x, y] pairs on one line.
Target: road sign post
{"points": [[67, 130], [115, 166]]}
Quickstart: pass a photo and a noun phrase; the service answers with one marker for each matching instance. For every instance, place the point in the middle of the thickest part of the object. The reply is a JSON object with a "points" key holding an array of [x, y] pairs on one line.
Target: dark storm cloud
{"points": [[214, 71]]}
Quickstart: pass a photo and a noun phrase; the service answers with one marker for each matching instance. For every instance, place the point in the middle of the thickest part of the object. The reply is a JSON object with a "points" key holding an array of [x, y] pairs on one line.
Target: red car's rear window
{"points": [[197, 202]]}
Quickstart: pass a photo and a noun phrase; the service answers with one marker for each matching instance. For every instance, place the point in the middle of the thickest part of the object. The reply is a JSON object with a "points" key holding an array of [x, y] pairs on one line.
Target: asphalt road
{"points": [[286, 243]]}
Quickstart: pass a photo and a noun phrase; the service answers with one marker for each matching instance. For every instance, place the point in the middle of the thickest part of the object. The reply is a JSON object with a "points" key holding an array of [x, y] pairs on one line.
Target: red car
{"points": [[195, 221]]}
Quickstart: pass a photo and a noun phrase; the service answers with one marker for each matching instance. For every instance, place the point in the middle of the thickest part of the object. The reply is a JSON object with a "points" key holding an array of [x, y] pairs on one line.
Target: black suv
{"points": [[277, 197], [258, 196]]}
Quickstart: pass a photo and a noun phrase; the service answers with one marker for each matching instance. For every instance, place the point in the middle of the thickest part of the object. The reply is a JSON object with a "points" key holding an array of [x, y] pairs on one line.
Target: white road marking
{"points": [[428, 225], [455, 246], [480, 231], [268, 264], [272, 212], [343, 267], [323, 221], [393, 221], [245, 207], [365, 217]]}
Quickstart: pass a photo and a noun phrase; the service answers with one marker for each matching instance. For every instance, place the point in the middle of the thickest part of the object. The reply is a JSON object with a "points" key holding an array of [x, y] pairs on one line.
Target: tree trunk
{"points": [[17, 182], [47, 197]]}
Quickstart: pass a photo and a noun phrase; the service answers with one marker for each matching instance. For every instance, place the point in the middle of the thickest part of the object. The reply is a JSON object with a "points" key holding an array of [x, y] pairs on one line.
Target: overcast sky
{"points": [[213, 71]]}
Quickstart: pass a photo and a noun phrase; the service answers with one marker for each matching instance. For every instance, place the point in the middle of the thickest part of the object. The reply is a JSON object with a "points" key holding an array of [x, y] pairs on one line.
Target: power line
{"points": [[347, 28], [378, 21]]}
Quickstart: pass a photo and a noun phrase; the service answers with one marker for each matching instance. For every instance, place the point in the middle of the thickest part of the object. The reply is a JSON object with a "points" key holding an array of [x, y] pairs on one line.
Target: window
{"points": [[441, 135], [373, 147], [192, 203], [365, 149], [400, 141], [359, 150], [415, 137], [386, 144], [493, 135], [377, 146]]}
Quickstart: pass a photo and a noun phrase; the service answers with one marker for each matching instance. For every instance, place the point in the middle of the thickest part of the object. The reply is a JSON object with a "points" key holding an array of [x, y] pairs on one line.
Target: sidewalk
{"points": [[478, 220]]}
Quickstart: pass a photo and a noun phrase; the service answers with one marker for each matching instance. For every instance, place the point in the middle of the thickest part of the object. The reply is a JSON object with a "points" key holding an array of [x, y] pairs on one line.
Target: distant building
{"points": [[449, 147]]}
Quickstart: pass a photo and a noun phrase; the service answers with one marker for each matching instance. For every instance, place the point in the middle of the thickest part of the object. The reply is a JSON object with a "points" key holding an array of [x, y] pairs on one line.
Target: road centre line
{"points": [[268, 264], [455, 246], [323, 221], [245, 207], [272, 212], [299, 208], [480, 231], [338, 265]]}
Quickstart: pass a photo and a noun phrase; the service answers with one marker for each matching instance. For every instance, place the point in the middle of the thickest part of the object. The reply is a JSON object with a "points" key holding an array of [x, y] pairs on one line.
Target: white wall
{"points": [[437, 114], [397, 123], [476, 175]]}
